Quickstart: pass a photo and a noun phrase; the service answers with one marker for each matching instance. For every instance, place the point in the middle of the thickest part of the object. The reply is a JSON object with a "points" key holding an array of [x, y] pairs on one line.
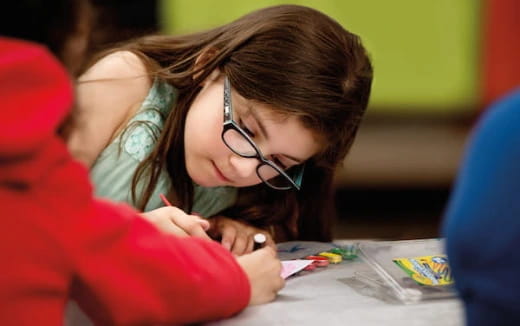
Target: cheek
{"points": [[251, 181], [202, 133], [204, 123]]}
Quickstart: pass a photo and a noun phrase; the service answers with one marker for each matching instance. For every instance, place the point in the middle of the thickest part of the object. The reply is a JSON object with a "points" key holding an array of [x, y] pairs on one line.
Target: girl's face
{"points": [[211, 163]]}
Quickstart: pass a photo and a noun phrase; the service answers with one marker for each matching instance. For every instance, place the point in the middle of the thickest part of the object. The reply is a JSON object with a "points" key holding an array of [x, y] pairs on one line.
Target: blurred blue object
{"points": [[482, 220]]}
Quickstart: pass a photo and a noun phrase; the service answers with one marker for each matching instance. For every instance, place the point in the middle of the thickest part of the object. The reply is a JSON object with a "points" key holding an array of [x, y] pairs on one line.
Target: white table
{"points": [[328, 296]]}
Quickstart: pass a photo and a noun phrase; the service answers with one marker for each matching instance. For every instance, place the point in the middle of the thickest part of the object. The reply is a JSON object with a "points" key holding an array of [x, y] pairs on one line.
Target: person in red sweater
{"points": [[58, 243]]}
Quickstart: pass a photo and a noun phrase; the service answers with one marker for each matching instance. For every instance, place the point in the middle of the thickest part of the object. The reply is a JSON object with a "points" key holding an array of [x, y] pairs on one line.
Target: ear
{"points": [[201, 61]]}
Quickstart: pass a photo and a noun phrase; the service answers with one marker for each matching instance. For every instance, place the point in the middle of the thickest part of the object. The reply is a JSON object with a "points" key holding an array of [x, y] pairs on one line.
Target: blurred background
{"points": [[437, 65]]}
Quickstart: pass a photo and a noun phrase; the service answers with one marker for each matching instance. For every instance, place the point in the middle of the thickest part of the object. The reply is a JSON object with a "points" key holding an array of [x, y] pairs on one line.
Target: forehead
{"points": [[286, 132]]}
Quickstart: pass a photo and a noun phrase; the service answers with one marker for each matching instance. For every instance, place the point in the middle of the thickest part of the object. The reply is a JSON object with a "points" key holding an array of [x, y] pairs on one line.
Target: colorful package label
{"points": [[427, 270]]}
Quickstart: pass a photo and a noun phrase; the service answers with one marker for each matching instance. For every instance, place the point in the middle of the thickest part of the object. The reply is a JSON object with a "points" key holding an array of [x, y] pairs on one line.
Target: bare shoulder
{"points": [[120, 78], [108, 94], [117, 65]]}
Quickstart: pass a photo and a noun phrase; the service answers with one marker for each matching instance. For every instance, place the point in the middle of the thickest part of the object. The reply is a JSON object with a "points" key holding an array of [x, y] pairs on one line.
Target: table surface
{"points": [[330, 296]]}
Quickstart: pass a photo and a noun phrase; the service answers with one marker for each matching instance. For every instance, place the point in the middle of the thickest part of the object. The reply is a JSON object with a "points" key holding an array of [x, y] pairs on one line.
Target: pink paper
{"points": [[289, 267]]}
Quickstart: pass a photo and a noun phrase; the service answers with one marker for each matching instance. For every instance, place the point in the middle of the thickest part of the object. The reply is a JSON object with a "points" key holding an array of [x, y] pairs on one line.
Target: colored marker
{"points": [[333, 258], [259, 240], [319, 261], [165, 200]]}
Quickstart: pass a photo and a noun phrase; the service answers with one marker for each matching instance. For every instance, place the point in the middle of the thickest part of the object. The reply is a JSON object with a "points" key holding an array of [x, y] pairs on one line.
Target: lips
{"points": [[219, 174]]}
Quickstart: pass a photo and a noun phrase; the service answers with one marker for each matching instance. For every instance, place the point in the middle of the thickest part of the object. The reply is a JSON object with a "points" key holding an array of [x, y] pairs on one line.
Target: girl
{"points": [[247, 120]]}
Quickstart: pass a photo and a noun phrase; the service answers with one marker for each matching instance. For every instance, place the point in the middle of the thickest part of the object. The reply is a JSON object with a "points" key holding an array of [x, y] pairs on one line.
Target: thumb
{"points": [[204, 224]]}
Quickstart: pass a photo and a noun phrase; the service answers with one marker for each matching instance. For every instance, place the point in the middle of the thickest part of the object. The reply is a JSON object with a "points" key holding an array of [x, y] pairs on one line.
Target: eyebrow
{"points": [[264, 133], [258, 121]]}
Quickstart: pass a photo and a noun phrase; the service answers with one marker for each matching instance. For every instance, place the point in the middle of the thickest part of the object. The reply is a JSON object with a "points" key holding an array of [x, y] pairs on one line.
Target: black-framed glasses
{"points": [[241, 144]]}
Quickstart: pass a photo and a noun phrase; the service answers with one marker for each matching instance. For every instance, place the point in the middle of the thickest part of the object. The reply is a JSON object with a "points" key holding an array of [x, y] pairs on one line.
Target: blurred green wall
{"points": [[425, 52]]}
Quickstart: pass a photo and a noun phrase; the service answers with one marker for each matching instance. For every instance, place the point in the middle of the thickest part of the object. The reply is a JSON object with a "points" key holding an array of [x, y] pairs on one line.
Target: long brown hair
{"points": [[293, 58]]}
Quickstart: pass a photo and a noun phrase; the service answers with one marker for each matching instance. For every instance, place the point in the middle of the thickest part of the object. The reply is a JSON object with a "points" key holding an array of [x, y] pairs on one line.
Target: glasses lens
{"points": [[272, 177], [238, 144]]}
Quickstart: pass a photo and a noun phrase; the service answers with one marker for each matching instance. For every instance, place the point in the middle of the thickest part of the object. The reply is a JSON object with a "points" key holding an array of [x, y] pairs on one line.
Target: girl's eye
{"points": [[247, 130], [277, 161]]}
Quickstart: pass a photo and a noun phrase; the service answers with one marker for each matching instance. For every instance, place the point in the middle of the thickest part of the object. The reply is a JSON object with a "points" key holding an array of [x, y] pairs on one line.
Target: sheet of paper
{"points": [[289, 267]]}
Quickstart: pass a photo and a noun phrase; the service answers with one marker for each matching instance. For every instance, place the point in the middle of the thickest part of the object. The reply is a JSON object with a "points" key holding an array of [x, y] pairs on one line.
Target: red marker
{"points": [[319, 261], [165, 200]]}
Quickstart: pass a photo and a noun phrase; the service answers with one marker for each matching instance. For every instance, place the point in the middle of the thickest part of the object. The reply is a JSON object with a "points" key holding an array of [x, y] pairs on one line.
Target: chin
{"points": [[199, 179], [196, 178], [202, 183]]}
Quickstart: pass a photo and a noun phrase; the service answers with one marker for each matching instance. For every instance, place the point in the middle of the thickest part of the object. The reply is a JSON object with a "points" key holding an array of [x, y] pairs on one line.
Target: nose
{"points": [[244, 167]]}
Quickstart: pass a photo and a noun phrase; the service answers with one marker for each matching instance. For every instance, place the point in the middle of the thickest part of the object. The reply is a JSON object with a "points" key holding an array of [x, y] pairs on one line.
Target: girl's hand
{"points": [[263, 270], [236, 236], [173, 220]]}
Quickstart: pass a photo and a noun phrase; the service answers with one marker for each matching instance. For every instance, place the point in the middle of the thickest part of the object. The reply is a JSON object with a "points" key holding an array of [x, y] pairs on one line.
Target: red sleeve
{"points": [[56, 243], [129, 273], [123, 271]]}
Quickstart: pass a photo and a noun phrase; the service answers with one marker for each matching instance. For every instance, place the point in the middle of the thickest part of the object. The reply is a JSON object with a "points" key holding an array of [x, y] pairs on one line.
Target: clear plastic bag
{"points": [[391, 279]]}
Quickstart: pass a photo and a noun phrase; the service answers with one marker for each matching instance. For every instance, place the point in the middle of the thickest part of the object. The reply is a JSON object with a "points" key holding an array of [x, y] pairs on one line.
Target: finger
{"points": [[278, 270], [203, 221], [269, 241], [196, 229], [271, 244], [171, 228], [213, 230], [240, 245], [250, 244], [281, 284], [190, 225], [270, 252], [228, 237], [204, 224]]}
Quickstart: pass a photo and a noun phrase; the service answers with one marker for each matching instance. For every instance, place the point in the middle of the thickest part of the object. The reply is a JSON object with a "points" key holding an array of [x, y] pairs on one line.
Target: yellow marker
{"points": [[333, 258]]}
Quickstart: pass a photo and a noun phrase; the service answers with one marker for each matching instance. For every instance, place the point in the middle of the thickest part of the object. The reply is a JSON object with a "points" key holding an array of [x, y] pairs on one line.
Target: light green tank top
{"points": [[113, 170]]}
